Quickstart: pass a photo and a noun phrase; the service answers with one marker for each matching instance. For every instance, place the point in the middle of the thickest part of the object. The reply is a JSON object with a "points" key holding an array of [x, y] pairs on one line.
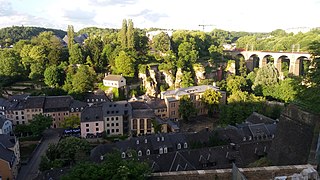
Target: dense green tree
{"points": [[187, 55], [54, 76], [235, 83], [9, 63], [39, 123], [114, 167], [215, 52], [266, 80], [83, 79], [71, 122], [186, 108], [67, 152], [124, 64], [186, 79], [161, 42], [211, 98]]}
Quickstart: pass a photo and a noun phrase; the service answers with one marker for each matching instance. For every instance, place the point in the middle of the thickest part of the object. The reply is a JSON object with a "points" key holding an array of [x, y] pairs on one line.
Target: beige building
{"points": [[116, 81], [9, 157], [195, 93]]}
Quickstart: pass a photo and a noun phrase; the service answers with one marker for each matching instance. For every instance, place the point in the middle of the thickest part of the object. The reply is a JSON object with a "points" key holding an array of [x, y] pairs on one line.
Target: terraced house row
{"points": [[98, 114]]}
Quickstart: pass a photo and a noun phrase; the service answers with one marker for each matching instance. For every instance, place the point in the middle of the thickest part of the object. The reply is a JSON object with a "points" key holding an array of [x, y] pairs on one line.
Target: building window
{"points": [[112, 130], [22, 117], [87, 125], [158, 139], [22, 112], [185, 145], [22, 122], [117, 124], [173, 113], [17, 122], [161, 151], [108, 124], [97, 129], [148, 152], [112, 124], [112, 119], [117, 118], [97, 124], [107, 119], [173, 105], [162, 138], [137, 142], [87, 130], [123, 155], [117, 130], [179, 146], [146, 141], [165, 150], [139, 153]]}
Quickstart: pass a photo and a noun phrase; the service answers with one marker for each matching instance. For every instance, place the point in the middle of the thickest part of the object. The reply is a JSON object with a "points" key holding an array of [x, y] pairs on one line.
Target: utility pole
{"points": [[205, 25]]}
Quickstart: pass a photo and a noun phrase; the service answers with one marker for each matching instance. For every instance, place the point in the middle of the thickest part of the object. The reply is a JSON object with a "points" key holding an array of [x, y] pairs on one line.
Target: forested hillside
{"points": [[11, 35]]}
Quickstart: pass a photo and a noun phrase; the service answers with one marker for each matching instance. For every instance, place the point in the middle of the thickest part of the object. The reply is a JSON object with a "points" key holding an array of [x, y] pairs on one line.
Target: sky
{"points": [[231, 15]]}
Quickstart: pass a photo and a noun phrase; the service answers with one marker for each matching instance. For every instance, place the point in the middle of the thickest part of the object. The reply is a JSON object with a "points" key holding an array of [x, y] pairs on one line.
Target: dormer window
{"points": [[123, 155], [137, 141], [148, 152], [139, 153], [72, 109], [158, 139], [250, 138], [161, 151], [244, 139], [185, 145], [101, 158], [165, 150], [179, 146], [146, 141], [97, 100], [162, 138]]}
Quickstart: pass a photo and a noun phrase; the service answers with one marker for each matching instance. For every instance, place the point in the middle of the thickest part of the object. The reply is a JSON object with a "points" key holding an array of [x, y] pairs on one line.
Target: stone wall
{"points": [[259, 173], [296, 137]]}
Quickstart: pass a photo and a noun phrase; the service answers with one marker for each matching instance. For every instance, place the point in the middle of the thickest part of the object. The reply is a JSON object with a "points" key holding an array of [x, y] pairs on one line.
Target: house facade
{"points": [[195, 93], [9, 157], [115, 81], [111, 117]]}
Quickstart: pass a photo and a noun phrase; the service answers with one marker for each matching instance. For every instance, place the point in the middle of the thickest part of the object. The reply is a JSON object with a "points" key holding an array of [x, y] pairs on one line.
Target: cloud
{"points": [[6, 8], [150, 15], [79, 16], [112, 2]]}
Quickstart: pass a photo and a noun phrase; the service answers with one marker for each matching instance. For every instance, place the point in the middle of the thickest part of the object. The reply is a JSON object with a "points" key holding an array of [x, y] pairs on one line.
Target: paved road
{"points": [[30, 170]]}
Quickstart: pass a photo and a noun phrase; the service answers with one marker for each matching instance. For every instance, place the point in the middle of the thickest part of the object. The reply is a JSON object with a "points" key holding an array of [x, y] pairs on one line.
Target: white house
{"points": [[116, 81], [5, 125]]}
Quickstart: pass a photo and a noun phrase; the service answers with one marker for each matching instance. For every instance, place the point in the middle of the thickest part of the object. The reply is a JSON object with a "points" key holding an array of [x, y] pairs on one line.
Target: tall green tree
{"points": [[39, 123], [187, 80], [130, 35], [266, 80], [161, 42], [70, 34], [188, 55], [122, 36], [71, 122], [10, 65], [75, 54], [54, 76], [186, 108]]}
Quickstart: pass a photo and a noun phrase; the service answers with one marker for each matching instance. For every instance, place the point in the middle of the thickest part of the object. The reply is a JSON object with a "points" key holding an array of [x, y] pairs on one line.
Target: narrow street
{"points": [[30, 171]]}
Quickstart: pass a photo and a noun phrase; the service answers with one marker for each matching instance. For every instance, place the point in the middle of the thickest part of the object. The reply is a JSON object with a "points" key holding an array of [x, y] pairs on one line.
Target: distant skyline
{"points": [[231, 15]]}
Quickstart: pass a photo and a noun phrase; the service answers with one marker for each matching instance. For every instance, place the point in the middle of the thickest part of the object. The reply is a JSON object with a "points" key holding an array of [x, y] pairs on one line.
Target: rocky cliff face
{"points": [[149, 83], [168, 77], [179, 75], [200, 72]]}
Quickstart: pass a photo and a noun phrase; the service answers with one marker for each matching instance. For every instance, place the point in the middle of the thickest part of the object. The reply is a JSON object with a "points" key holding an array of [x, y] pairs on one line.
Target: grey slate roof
{"points": [[78, 104], [35, 102], [6, 154], [113, 77], [143, 113], [7, 141], [188, 90], [57, 103], [256, 118], [116, 108], [92, 114], [157, 103]]}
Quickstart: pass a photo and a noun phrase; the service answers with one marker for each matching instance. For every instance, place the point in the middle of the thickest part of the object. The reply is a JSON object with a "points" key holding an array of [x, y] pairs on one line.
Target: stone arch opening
{"points": [[267, 59], [239, 61], [252, 62], [301, 66], [283, 65]]}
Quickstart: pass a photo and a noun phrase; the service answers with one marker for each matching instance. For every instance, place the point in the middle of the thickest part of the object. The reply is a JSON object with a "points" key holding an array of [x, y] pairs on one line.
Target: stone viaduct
{"points": [[261, 58]]}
